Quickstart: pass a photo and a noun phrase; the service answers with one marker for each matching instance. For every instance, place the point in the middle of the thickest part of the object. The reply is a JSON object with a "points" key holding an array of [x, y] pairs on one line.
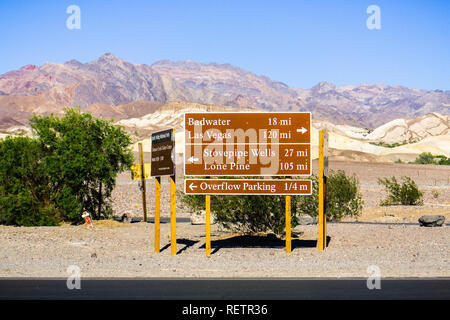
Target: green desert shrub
{"points": [[389, 145], [428, 158], [442, 160], [252, 214], [425, 158], [71, 165], [342, 196], [406, 193], [263, 213], [25, 198]]}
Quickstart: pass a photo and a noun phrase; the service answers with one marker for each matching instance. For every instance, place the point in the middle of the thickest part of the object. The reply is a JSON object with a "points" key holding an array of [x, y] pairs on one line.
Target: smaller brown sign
{"points": [[247, 186], [163, 153]]}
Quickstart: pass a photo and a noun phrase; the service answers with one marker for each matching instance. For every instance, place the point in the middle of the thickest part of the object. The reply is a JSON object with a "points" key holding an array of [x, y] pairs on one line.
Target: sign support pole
{"points": [[322, 209], [325, 212], [173, 215], [144, 201], [157, 212], [208, 225], [288, 224]]}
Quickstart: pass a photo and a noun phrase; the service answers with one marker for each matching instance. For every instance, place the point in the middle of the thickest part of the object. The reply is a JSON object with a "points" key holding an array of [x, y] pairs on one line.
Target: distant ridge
{"points": [[108, 82]]}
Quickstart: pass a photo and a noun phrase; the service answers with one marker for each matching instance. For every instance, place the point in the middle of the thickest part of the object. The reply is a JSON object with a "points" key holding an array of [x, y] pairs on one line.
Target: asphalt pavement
{"points": [[225, 289]]}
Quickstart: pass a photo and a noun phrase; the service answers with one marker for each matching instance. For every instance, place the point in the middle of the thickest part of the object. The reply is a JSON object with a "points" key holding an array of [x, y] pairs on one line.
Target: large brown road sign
{"points": [[247, 144], [247, 187]]}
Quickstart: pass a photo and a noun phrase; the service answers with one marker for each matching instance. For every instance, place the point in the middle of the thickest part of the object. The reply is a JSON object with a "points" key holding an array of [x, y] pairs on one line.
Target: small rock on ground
{"points": [[431, 221], [307, 220]]}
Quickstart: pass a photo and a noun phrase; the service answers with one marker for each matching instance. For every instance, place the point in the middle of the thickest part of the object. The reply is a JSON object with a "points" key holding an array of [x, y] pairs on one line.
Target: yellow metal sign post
{"points": [[208, 225], [157, 212], [323, 172], [144, 201], [288, 224], [173, 206], [173, 215]]}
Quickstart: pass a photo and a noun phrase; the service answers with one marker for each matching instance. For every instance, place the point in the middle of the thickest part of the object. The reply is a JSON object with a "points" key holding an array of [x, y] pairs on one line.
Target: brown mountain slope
{"points": [[15, 111], [110, 81]]}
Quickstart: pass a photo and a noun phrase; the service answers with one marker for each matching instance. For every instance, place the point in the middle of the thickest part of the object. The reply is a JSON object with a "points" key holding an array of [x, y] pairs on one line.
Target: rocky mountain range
{"points": [[110, 87], [400, 139]]}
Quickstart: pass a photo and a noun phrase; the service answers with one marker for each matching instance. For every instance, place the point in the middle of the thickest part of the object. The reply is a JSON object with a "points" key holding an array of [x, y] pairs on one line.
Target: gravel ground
{"points": [[113, 249]]}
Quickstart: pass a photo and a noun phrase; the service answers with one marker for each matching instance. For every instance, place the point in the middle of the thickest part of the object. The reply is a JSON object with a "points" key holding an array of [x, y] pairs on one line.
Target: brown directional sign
{"points": [[163, 153], [247, 144], [247, 186], [250, 159], [243, 127]]}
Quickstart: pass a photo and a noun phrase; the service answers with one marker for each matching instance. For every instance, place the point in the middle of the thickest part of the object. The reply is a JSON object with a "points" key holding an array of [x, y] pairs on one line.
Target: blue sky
{"points": [[296, 42]]}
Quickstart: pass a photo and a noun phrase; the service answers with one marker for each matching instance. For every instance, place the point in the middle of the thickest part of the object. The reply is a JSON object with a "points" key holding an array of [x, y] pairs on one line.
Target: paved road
{"points": [[228, 289]]}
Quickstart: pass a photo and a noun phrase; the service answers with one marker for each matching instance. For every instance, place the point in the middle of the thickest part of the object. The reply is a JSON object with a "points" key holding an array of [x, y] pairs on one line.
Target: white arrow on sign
{"points": [[302, 130], [191, 186], [192, 159]]}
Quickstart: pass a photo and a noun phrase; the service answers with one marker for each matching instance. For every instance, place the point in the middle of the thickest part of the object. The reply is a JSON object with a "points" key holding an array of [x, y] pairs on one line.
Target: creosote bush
{"points": [[263, 213], [406, 193]]}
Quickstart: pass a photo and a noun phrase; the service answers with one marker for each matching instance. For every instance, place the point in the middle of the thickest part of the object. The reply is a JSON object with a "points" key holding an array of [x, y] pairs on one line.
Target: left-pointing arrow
{"points": [[192, 186], [192, 159]]}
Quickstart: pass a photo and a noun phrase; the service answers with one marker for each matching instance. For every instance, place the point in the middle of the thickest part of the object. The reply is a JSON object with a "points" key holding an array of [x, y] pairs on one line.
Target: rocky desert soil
{"points": [[127, 250], [388, 237]]}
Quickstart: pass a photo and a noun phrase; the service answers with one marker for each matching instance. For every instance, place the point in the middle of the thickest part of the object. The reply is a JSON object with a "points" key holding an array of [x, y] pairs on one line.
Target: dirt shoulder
{"points": [[113, 249]]}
